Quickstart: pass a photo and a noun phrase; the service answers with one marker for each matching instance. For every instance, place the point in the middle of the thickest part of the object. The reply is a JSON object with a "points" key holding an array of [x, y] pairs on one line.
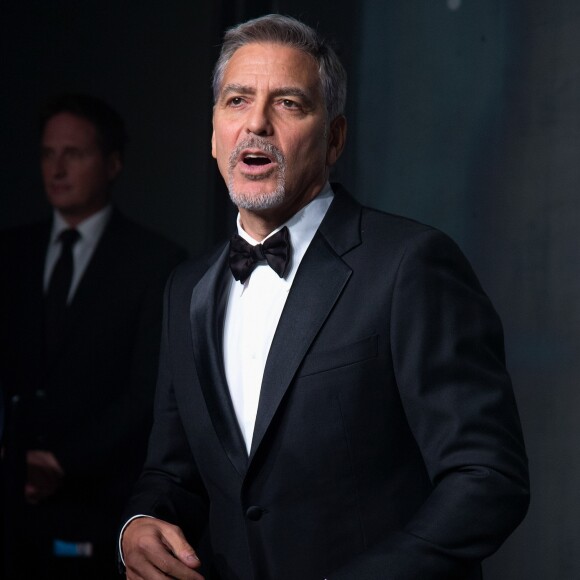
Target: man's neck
{"points": [[257, 227], [74, 221], [260, 224], [75, 216]]}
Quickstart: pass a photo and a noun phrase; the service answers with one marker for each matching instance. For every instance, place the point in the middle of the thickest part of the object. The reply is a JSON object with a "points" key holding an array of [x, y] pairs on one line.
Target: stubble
{"points": [[264, 200]]}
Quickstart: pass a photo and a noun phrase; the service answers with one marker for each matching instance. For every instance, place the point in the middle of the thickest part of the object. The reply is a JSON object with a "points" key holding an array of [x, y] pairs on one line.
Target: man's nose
{"points": [[59, 166], [258, 120]]}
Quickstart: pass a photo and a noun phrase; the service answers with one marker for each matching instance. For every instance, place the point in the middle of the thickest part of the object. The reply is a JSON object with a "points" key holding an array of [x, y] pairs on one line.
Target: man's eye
{"points": [[289, 104], [236, 101]]}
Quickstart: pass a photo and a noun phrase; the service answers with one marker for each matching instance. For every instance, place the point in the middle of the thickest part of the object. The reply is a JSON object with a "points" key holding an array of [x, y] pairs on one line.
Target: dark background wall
{"points": [[153, 63], [465, 115]]}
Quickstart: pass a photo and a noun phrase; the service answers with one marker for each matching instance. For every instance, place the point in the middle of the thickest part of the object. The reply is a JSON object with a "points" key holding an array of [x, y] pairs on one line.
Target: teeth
{"points": [[254, 156]]}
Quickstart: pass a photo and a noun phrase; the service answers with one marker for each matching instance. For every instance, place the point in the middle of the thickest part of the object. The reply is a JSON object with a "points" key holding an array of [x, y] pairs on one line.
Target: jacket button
{"points": [[254, 513]]}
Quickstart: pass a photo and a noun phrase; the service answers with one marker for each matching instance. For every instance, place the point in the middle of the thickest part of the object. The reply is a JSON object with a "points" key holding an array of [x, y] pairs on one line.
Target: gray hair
{"points": [[287, 31]]}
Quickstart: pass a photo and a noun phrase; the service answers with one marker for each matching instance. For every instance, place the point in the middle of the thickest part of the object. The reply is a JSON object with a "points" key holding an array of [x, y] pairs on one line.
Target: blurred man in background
{"points": [[80, 313]]}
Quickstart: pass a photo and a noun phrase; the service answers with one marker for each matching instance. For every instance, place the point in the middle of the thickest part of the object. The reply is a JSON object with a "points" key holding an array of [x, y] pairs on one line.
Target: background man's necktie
{"points": [[58, 290], [244, 257]]}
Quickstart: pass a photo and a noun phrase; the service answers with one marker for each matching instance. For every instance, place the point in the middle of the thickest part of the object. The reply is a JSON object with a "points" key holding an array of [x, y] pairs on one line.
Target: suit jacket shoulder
{"points": [[143, 244]]}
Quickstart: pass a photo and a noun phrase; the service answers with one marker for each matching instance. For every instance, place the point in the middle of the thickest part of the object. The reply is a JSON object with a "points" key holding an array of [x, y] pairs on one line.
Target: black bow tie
{"points": [[244, 257]]}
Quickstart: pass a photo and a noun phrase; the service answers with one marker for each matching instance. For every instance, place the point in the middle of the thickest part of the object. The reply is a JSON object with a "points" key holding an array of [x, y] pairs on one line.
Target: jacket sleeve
{"points": [[448, 355], [170, 487]]}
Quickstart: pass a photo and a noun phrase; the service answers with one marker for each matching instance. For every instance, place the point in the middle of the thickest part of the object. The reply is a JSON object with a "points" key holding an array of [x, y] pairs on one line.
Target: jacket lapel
{"points": [[320, 279], [32, 318], [208, 302]]}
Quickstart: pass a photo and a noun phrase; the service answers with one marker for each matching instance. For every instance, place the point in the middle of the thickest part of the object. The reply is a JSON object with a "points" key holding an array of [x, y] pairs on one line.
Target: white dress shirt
{"points": [[90, 231], [253, 311]]}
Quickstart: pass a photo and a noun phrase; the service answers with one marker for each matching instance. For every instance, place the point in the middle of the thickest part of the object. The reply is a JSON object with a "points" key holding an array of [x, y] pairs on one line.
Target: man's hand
{"points": [[154, 549], [44, 476]]}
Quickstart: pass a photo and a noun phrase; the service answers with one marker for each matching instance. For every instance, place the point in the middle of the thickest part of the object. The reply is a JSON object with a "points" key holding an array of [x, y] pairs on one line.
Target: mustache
{"points": [[256, 142]]}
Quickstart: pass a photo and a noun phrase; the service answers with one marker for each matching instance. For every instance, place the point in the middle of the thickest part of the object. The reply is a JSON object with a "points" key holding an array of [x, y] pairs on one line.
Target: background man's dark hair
{"points": [[109, 124]]}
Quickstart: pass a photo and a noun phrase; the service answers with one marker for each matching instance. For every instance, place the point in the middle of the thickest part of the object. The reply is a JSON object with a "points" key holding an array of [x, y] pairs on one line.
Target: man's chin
{"points": [[258, 199]]}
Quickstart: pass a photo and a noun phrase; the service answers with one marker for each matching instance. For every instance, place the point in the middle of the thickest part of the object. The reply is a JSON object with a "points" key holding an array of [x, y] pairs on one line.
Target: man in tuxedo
{"points": [[332, 398], [80, 321]]}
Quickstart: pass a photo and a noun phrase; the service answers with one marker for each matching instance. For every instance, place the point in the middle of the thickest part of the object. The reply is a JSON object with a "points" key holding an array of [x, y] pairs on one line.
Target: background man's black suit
{"points": [[91, 404], [387, 442]]}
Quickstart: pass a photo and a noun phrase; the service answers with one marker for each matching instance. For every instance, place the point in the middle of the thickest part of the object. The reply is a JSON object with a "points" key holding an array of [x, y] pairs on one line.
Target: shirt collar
{"points": [[90, 229], [302, 226], [303, 222]]}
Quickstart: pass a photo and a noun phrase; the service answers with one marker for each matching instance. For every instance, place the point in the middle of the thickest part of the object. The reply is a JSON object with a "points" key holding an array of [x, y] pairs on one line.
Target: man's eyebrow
{"points": [[293, 92], [236, 88], [289, 91]]}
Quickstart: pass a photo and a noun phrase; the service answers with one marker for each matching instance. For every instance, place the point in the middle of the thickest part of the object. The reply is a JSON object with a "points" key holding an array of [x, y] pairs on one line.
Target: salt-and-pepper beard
{"points": [[258, 201]]}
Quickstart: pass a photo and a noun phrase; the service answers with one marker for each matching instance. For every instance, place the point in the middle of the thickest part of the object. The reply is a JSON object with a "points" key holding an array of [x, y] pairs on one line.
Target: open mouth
{"points": [[255, 159]]}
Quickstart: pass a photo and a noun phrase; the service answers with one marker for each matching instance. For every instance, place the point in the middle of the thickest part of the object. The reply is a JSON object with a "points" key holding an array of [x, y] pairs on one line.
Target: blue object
{"points": [[62, 549]]}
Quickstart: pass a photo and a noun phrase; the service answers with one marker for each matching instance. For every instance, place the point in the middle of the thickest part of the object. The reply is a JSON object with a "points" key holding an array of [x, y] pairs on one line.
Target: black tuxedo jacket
{"points": [[91, 405], [387, 442]]}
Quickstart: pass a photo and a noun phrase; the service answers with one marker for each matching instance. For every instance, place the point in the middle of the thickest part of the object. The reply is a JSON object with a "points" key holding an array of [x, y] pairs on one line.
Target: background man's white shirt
{"points": [[90, 231]]}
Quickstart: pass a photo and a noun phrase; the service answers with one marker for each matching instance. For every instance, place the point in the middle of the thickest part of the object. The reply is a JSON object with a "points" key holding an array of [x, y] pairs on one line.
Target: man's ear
{"points": [[336, 140], [213, 145], [213, 150], [114, 165]]}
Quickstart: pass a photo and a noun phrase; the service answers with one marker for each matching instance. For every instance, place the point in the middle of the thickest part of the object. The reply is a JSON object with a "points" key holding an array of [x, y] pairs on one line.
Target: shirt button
{"points": [[254, 513]]}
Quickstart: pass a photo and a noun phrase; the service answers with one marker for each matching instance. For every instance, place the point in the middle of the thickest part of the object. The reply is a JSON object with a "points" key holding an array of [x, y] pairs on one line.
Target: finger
{"points": [[153, 554], [174, 539], [161, 567], [152, 574]]}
